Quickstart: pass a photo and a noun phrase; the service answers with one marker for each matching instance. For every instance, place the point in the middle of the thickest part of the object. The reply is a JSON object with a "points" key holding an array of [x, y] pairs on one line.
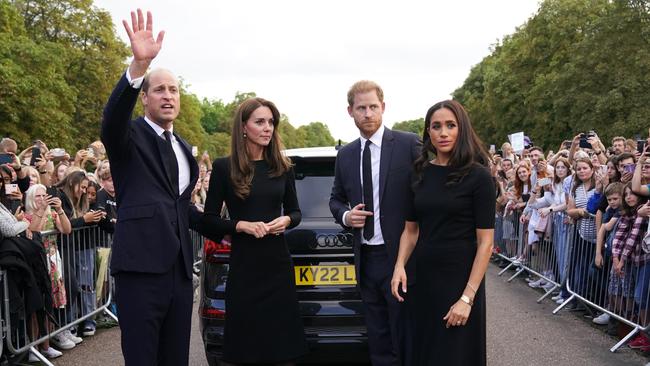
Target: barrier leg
{"points": [[40, 356], [624, 340], [549, 292], [564, 304], [505, 269], [109, 313], [519, 271]]}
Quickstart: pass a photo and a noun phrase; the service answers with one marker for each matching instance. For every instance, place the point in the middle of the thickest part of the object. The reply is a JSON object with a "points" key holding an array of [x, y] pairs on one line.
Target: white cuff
{"points": [[135, 83], [345, 214]]}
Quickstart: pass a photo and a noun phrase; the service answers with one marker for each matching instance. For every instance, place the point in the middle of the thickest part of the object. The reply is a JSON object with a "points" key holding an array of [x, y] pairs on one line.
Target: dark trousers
{"points": [[155, 312], [383, 313]]}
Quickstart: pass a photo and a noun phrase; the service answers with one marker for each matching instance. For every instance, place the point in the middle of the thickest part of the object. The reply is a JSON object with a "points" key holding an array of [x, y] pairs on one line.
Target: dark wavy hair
{"points": [[468, 151], [241, 166]]}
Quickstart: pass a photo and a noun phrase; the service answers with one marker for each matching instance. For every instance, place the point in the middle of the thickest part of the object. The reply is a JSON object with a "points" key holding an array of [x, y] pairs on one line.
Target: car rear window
{"points": [[314, 179]]}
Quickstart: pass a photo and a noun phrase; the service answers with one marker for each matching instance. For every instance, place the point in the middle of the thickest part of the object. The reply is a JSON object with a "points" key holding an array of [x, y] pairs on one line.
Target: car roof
{"points": [[312, 152]]}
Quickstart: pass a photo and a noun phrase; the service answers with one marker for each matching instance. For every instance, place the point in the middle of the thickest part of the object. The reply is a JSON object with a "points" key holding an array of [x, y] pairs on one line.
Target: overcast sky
{"points": [[304, 55]]}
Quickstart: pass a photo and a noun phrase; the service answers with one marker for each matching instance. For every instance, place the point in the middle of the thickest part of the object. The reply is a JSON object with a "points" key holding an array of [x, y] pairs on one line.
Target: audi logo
{"points": [[334, 240]]}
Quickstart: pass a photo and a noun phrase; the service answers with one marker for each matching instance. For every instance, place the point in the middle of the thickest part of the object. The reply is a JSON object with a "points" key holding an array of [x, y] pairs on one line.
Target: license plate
{"points": [[325, 275]]}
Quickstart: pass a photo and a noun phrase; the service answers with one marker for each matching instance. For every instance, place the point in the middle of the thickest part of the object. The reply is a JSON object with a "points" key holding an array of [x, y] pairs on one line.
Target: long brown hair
{"points": [[468, 150], [577, 182], [519, 184], [68, 186], [556, 179], [241, 165]]}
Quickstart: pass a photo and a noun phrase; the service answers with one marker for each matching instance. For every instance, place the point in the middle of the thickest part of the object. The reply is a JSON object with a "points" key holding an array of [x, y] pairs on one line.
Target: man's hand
{"points": [[144, 47], [356, 217]]}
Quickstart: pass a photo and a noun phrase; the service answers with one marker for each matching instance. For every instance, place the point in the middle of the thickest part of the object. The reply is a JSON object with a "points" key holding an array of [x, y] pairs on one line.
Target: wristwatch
{"points": [[550, 209], [467, 300]]}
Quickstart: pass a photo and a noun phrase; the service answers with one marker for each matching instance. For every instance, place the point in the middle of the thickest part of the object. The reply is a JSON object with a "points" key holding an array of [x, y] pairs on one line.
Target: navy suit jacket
{"points": [[398, 152], [152, 220]]}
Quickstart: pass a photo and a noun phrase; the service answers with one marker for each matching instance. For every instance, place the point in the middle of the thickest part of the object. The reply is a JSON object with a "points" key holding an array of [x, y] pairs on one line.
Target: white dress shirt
{"points": [[375, 158]]}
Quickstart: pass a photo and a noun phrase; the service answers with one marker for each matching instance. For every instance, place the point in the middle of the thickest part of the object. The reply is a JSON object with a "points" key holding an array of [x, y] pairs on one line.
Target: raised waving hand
{"points": [[145, 48]]}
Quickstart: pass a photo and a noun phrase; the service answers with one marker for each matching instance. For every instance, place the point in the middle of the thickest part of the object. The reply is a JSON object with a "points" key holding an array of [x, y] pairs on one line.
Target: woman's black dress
{"points": [[448, 218], [262, 315]]}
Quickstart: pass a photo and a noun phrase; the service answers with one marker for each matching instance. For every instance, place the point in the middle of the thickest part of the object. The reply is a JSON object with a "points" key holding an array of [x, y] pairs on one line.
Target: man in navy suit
{"points": [[372, 195], [153, 173]]}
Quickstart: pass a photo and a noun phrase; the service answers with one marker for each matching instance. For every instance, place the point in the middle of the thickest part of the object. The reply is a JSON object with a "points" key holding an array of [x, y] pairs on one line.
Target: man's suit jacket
{"points": [[152, 220], [398, 152]]}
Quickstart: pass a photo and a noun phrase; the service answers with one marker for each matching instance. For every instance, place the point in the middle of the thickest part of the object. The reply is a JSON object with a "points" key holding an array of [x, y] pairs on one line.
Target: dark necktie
{"points": [[171, 164], [369, 227]]}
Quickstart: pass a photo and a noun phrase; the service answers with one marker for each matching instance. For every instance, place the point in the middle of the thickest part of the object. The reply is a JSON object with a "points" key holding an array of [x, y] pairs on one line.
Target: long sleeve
{"points": [[290, 203], [545, 201], [593, 203], [339, 202], [116, 130], [631, 240], [9, 226], [619, 236], [212, 225]]}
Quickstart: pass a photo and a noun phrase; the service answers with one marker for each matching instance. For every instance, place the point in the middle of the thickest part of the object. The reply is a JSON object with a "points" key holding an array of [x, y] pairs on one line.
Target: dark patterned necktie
{"points": [[369, 226], [170, 161]]}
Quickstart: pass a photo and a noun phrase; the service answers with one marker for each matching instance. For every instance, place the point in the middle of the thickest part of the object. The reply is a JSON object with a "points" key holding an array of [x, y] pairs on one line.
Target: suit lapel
{"points": [[158, 146], [194, 168], [384, 161], [356, 171]]}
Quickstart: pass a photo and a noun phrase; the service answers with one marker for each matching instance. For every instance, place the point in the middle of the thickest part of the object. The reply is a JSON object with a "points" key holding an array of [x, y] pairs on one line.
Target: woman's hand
{"points": [[257, 229], [54, 202], [19, 215], [457, 314], [544, 211], [598, 261], [93, 216], [618, 267], [279, 225], [399, 279]]}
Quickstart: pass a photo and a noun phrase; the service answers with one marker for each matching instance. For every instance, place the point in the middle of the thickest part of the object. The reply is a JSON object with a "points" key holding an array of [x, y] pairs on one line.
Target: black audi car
{"points": [[330, 303]]}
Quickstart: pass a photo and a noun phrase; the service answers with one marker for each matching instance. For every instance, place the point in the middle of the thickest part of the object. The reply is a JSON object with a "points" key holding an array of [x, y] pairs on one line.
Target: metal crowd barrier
{"points": [[562, 257], [75, 256], [83, 261]]}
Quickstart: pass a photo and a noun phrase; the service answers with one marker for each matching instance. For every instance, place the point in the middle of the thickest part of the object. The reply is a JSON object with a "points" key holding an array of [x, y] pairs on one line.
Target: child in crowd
{"points": [[604, 239]]}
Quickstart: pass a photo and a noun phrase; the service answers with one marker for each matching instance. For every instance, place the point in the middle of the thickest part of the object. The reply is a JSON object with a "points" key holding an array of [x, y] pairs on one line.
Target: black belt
{"points": [[373, 248]]}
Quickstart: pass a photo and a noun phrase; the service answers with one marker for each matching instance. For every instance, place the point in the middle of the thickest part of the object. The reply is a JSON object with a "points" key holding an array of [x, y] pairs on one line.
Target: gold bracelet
{"points": [[471, 287]]}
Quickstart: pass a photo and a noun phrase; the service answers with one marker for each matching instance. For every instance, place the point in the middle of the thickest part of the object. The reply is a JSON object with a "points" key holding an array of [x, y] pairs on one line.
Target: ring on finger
{"points": [[459, 322]]}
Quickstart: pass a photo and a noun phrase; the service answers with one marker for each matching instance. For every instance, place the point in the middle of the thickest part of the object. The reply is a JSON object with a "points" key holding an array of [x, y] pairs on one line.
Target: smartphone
{"points": [[91, 152], [583, 141], [36, 153], [11, 188], [629, 168], [640, 146], [6, 159], [195, 151], [58, 152], [544, 182]]}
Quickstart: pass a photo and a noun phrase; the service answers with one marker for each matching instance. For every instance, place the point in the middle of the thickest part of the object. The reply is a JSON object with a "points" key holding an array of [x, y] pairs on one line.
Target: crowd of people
{"points": [[45, 194], [579, 217]]}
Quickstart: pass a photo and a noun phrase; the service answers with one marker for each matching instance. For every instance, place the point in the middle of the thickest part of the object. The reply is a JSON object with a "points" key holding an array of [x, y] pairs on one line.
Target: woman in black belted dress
{"points": [[256, 182]]}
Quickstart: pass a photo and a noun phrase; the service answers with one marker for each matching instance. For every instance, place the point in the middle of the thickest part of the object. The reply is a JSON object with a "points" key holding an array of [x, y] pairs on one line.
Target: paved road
{"points": [[520, 332]]}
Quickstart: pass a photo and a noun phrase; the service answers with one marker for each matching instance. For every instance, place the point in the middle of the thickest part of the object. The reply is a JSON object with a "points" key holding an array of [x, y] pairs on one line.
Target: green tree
{"points": [[576, 65], [414, 125], [316, 134]]}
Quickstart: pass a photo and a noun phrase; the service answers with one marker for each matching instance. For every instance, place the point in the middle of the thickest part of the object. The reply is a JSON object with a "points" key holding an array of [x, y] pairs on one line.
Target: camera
{"points": [[584, 137], [58, 152], [640, 146]]}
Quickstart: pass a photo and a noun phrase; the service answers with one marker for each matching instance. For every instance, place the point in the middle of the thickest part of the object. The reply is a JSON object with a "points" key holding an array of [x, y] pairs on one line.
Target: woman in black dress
{"points": [[453, 227], [256, 183]]}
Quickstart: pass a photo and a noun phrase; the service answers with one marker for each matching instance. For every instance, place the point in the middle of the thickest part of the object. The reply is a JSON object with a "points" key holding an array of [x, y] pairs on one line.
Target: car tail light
{"points": [[212, 248], [209, 312]]}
